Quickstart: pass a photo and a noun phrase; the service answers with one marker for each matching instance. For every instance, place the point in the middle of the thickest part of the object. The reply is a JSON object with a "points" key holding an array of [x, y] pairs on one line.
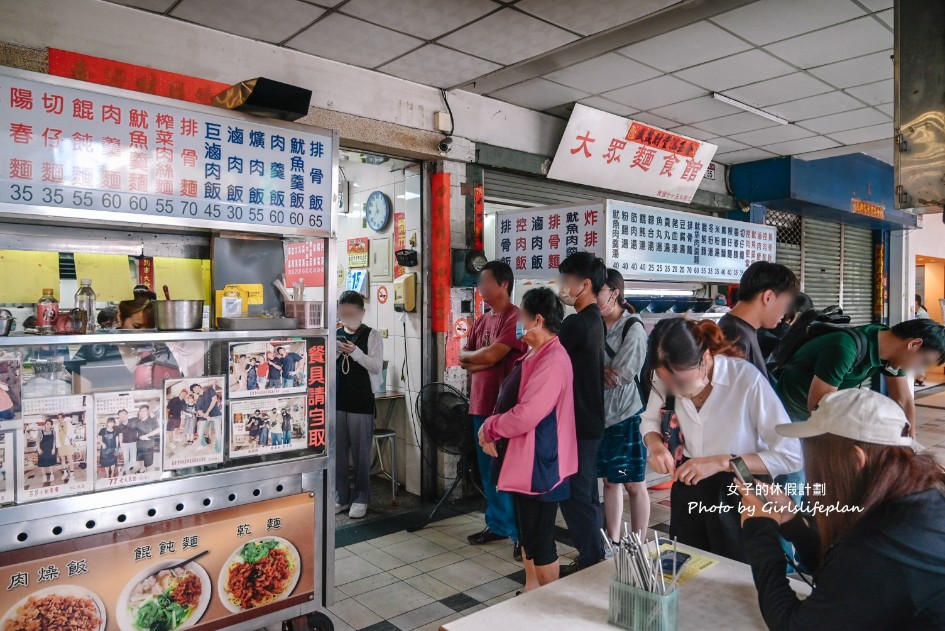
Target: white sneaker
{"points": [[357, 511], [340, 508]]}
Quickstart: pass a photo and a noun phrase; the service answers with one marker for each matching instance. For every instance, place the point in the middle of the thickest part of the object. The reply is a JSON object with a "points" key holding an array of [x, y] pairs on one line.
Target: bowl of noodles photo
{"points": [[163, 599], [258, 573], [57, 609]]}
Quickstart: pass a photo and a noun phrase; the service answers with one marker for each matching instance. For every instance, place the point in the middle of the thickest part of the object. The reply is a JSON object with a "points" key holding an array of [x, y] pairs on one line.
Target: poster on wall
{"points": [[359, 252], [194, 429], [315, 395], [53, 457], [7, 468], [305, 262], [11, 390], [267, 368], [127, 438], [253, 560], [267, 425]]}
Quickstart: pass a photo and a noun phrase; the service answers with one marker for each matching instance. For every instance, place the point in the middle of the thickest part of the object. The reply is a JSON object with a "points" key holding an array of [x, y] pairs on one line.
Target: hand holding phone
{"points": [[743, 474]]}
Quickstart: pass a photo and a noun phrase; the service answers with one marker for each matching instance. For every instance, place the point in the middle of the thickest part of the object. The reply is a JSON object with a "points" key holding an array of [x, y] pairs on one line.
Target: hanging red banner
{"points": [[146, 272], [440, 251]]}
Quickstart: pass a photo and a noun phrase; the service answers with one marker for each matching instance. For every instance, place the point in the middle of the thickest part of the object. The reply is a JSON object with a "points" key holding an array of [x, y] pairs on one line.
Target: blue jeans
{"points": [[288, 382], [287, 438], [500, 508], [277, 438]]}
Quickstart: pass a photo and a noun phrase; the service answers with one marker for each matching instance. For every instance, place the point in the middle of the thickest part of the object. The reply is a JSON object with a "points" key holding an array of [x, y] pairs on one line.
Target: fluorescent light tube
{"points": [[749, 108]]}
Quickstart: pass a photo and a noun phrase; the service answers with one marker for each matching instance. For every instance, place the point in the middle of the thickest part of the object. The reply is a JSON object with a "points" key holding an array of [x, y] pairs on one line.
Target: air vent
{"points": [[67, 266]]}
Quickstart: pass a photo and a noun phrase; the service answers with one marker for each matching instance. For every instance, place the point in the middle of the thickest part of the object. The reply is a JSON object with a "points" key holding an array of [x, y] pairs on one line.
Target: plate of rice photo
{"points": [[260, 572], [59, 608], [162, 598]]}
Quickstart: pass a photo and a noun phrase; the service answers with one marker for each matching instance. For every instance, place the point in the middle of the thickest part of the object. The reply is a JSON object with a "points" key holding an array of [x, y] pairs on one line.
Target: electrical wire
{"points": [[450, 111]]}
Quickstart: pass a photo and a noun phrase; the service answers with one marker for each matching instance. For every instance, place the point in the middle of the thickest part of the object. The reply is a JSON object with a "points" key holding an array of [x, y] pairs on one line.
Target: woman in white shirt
{"points": [[709, 405]]}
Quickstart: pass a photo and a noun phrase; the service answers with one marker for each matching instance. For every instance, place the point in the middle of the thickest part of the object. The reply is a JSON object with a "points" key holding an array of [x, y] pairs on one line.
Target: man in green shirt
{"points": [[829, 363]]}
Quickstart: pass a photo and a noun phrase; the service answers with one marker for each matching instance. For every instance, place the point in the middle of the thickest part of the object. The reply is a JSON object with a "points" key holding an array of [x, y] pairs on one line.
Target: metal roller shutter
{"points": [[788, 252], [857, 296], [821, 262]]}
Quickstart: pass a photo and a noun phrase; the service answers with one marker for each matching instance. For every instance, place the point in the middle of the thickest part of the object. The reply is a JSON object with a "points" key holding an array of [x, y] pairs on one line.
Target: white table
{"points": [[720, 597]]}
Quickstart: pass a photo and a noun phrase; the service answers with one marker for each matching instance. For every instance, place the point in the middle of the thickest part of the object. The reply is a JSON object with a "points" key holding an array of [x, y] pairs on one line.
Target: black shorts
{"points": [[147, 457], [536, 529]]}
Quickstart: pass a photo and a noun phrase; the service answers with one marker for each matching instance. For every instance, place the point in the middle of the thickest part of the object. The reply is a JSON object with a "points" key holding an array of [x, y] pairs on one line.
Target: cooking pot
{"points": [[178, 315], [7, 323]]}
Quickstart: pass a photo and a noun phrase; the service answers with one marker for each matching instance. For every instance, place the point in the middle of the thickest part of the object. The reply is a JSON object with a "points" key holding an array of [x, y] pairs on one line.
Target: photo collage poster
{"points": [[193, 409], [267, 425], [11, 391], [267, 368], [127, 438], [53, 454]]}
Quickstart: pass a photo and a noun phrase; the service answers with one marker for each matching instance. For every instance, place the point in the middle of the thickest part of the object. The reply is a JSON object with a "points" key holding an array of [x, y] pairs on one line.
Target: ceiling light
{"points": [[657, 292], [749, 108]]}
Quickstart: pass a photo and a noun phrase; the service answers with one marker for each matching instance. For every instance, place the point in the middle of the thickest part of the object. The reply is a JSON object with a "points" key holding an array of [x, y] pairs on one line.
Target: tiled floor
{"points": [[418, 581]]}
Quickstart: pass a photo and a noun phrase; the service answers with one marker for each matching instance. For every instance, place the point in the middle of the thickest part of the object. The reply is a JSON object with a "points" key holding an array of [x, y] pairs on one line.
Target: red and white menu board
{"points": [[608, 151], [69, 147]]}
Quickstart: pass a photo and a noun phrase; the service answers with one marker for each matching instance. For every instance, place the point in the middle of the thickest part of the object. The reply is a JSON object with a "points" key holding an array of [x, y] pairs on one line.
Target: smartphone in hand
{"points": [[743, 474]]}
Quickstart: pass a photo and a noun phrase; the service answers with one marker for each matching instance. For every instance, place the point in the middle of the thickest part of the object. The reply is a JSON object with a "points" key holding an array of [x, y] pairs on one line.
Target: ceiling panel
{"points": [[772, 20], [695, 110], [655, 93], [875, 93], [438, 66], [606, 105], [423, 18], [788, 88], [740, 69], [158, 6], [507, 37], [273, 21], [692, 132], [888, 108], [851, 39], [334, 38], [865, 69], [887, 17], [771, 135], [804, 145], [653, 119], [877, 5], [691, 45], [737, 123], [814, 106], [726, 145], [592, 16], [538, 94], [864, 134], [743, 155], [603, 73], [561, 111], [864, 117]]}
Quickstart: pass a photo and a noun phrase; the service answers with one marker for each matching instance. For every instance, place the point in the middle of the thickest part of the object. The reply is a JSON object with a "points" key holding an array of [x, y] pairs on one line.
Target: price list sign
{"points": [[72, 148], [654, 243]]}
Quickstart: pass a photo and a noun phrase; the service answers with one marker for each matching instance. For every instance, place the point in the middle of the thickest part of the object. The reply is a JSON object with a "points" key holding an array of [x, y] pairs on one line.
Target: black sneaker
{"points": [[486, 536], [517, 551]]}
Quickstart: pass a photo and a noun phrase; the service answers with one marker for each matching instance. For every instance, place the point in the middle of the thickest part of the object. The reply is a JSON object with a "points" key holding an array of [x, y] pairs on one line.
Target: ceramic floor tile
{"points": [[464, 530], [393, 600], [465, 575], [442, 539], [459, 520], [405, 571], [354, 614], [431, 587], [414, 550], [419, 617], [469, 552], [342, 553], [339, 624], [493, 589], [380, 558], [499, 564], [353, 568], [339, 595], [391, 539], [435, 626], [363, 546], [356, 588], [501, 599], [440, 560]]}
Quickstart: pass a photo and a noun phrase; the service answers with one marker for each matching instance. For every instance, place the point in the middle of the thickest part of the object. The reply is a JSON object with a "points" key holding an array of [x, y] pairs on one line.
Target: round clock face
{"points": [[377, 211]]}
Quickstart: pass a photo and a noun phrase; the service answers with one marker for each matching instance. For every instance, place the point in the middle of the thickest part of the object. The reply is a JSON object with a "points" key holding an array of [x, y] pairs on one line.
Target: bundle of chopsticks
{"points": [[637, 561]]}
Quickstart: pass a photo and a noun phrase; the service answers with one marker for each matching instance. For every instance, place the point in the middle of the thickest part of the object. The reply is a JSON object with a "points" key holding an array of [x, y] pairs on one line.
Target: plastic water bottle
{"points": [[85, 300]]}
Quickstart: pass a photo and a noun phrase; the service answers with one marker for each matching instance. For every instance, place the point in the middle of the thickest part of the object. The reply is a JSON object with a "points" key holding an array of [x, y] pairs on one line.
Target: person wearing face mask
{"points": [[534, 424], [720, 305], [358, 376], [582, 335], [707, 406], [621, 460]]}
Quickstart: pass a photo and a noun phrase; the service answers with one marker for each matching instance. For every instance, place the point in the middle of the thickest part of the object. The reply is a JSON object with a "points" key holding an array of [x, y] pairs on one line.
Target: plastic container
{"points": [[85, 300], [232, 303], [47, 312], [639, 610], [307, 312]]}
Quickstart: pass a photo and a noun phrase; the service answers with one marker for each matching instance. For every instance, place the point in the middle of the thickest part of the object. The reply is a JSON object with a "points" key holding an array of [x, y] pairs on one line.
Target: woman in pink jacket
{"points": [[533, 429]]}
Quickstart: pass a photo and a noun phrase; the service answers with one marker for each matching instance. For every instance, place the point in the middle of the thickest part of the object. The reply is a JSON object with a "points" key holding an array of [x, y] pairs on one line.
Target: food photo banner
{"points": [[246, 562], [79, 149]]}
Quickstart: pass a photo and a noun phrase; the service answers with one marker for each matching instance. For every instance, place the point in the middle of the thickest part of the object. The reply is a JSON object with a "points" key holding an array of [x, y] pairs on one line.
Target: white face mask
{"points": [[567, 298]]}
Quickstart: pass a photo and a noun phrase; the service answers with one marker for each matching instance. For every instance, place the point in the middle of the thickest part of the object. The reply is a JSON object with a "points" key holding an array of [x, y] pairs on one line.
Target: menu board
{"points": [[247, 561], [78, 149], [654, 243]]}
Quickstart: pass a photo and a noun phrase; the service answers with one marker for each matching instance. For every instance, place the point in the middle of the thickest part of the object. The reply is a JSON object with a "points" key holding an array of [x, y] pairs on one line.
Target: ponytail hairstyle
{"points": [[679, 344], [615, 282]]}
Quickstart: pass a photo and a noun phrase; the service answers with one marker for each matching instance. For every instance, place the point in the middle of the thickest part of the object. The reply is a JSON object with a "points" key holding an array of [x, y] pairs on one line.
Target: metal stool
{"points": [[388, 435]]}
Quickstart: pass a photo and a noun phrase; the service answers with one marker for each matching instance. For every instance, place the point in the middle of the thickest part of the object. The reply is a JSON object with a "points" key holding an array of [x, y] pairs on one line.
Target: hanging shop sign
{"points": [[643, 242], [243, 562], [608, 151], [77, 149]]}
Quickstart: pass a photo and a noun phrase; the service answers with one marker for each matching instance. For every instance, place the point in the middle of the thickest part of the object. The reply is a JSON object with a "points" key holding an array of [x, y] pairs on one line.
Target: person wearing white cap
{"points": [[873, 534]]}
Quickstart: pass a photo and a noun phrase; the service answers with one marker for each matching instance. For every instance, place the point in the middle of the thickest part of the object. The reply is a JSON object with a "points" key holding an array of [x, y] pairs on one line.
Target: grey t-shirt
{"points": [[745, 337]]}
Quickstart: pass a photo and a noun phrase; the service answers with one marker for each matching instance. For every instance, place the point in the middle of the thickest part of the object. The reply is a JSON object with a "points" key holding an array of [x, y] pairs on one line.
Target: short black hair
{"points": [[585, 265], [502, 273], [764, 275], [543, 302], [351, 298], [930, 332]]}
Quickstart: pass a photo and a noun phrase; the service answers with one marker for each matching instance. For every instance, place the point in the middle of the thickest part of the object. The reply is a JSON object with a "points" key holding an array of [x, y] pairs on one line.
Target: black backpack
{"points": [[643, 385], [811, 325]]}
